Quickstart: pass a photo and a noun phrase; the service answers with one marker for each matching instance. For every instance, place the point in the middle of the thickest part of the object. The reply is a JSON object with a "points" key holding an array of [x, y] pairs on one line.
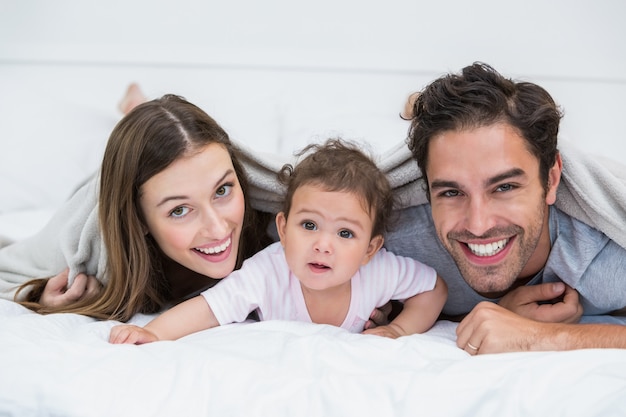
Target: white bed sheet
{"points": [[62, 365], [18, 225]]}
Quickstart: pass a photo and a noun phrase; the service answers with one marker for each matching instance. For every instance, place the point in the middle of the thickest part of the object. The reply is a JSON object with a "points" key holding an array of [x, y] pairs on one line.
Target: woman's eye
{"points": [[179, 211], [224, 190], [309, 225], [346, 234]]}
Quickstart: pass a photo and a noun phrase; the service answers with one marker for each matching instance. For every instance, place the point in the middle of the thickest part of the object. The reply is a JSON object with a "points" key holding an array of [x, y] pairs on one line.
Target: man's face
{"points": [[489, 205]]}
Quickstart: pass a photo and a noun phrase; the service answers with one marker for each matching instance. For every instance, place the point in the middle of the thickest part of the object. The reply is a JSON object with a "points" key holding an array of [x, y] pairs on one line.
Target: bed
{"points": [[62, 365], [58, 105]]}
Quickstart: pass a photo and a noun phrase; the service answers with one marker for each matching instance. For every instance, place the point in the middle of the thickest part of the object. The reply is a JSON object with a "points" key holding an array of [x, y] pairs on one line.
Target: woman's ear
{"points": [[374, 246]]}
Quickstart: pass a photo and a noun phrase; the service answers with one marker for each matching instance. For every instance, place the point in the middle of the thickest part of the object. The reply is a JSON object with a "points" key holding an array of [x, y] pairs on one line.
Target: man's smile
{"points": [[488, 249]]}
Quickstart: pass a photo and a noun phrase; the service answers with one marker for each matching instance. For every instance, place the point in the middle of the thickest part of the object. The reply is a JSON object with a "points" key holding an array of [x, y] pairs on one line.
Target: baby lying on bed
{"points": [[328, 267]]}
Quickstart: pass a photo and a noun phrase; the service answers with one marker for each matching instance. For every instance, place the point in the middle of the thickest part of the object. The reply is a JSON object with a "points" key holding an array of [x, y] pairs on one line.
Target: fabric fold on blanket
{"points": [[70, 239], [592, 190], [267, 193]]}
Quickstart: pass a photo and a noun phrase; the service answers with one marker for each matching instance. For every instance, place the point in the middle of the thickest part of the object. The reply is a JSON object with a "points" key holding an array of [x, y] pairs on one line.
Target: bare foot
{"points": [[133, 97], [407, 112]]}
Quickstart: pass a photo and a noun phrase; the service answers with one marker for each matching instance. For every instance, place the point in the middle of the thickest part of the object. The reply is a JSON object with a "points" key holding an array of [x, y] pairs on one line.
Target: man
{"points": [[520, 271]]}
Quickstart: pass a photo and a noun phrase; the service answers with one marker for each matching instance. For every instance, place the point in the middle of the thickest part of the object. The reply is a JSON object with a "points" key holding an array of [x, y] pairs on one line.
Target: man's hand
{"points": [[553, 302], [489, 328], [131, 334], [56, 293]]}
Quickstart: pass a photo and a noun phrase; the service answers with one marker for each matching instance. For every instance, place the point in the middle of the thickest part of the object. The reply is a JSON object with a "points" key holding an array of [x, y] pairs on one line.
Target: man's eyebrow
{"points": [[444, 184], [513, 172]]}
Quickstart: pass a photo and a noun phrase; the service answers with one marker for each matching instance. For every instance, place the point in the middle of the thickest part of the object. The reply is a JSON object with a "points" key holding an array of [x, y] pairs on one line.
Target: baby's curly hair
{"points": [[340, 165]]}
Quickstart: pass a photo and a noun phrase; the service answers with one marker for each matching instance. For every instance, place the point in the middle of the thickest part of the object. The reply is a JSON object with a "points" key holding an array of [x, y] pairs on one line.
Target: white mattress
{"points": [[62, 365]]}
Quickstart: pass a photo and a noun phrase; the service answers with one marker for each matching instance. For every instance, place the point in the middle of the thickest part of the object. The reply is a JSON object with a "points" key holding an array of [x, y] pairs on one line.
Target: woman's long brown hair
{"points": [[144, 143]]}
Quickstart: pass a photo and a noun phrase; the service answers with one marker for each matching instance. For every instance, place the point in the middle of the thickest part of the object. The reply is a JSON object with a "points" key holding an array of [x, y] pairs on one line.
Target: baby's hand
{"points": [[391, 331], [131, 334]]}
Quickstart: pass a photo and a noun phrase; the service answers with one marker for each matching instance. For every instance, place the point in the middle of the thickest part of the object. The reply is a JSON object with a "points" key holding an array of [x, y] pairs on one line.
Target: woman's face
{"points": [[194, 210]]}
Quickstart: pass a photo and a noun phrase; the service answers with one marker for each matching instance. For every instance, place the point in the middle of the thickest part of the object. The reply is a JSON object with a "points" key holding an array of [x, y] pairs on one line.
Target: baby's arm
{"points": [[418, 315], [185, 318]]}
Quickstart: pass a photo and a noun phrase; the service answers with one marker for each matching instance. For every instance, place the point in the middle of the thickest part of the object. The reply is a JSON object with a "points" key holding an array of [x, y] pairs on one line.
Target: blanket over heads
{"points": [[592, 190]]}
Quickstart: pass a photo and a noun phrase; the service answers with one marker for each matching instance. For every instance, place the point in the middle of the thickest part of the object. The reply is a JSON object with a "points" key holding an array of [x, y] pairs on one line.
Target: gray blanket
{"points": [[593, 190]]}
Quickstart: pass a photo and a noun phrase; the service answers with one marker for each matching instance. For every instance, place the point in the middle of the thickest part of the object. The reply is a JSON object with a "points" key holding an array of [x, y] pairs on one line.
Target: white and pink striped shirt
{"points": [[264, 283]]}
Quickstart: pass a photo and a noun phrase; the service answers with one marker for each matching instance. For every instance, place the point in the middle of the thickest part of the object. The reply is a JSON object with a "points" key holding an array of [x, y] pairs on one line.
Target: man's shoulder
{"points": [[408, 220], [413, 235], [577, 243], [576, 232]]}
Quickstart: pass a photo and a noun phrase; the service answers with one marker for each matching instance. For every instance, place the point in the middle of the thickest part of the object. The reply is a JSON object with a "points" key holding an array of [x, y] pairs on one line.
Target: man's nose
{"points": [[478, 216]]}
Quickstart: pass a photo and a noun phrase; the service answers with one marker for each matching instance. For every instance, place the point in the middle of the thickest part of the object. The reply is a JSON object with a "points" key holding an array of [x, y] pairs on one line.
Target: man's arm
{"points": [[490, 328]]}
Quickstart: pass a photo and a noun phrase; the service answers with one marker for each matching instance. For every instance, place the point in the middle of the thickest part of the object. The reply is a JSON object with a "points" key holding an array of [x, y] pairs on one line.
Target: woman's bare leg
{"points": [[133, 97]]}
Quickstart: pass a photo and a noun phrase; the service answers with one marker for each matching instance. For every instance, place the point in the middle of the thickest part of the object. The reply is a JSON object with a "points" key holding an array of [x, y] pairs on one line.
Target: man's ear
{"points": [[374, 246], [554, 179], [281, 222]]}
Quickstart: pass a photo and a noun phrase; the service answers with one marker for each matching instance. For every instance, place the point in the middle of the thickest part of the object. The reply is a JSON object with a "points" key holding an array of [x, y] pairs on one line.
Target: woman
{"points": [[173, 217]]}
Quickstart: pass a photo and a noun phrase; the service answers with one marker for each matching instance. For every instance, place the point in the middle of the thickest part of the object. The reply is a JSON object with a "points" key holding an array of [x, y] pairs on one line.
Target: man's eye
{"points": [[505, 187], [179, 211], [309, 225], [346, 234], [451, 193]]}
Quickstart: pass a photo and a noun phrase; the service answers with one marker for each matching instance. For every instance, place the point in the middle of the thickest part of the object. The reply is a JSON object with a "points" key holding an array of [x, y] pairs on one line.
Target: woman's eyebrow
{"points": [[182, 197]]}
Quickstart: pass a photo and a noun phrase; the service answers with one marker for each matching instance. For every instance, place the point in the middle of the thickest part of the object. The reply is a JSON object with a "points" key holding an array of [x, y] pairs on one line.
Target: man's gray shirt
{"points": [[581, 256]]}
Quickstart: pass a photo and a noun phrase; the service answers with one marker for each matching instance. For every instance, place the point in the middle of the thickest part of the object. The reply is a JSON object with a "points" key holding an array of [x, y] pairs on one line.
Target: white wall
{"points": [[280, 73]]}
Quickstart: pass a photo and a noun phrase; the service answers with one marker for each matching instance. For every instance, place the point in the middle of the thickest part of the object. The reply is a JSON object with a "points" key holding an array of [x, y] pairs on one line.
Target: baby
{"points": [[329, 266]]}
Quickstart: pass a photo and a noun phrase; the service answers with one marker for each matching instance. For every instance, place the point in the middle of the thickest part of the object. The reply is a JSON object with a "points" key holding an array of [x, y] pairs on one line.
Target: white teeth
{"points": [[215, 249], [489, 249]]}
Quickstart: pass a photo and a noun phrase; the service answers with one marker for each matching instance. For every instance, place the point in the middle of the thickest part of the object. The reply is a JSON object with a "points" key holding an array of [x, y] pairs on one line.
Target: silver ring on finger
{"points": [[469, 345]]}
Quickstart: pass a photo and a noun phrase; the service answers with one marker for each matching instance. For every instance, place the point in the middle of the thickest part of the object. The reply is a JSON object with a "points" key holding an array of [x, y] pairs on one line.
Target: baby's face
{"points": [[327, 237]]}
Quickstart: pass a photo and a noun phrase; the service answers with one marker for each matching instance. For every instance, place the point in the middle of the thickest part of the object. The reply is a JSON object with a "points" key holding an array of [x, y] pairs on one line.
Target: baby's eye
{"points": [[346, 234], [179, 211], [309, 225], [224, 190]]}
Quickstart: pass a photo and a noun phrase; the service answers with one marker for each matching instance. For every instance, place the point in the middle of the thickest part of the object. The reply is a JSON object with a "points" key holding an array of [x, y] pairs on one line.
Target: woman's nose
{"points": [[213, 223]]}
